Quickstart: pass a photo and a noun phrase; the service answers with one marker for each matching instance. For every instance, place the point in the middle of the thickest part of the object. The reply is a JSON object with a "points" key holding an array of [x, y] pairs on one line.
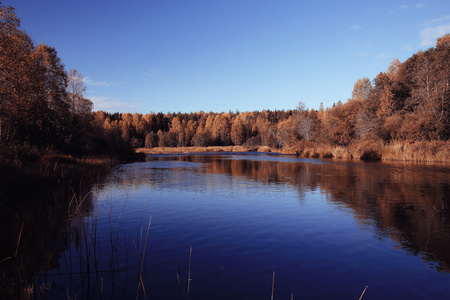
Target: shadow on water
{"points": [[39, 222]]}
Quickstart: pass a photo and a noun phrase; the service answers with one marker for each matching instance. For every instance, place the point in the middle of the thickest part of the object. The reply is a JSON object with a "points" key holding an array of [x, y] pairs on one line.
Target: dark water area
{"points": [[326, 228]]}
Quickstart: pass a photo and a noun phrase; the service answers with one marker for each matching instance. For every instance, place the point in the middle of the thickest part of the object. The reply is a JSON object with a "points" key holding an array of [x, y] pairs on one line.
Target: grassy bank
{"points": [[184, 150], [24, 171], [422, 151]]}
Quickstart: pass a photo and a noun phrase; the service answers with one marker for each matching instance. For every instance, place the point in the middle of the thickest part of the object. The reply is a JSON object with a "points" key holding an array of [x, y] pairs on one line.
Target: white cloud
{"points": [[429, 35], [113, 105], [89, 82], [437, 21], [434, 29]]}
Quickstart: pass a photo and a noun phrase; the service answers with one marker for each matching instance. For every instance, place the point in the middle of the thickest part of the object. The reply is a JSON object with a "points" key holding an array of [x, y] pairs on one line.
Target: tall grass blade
{"points": [[363, 292], [142, 264], [17, 246], [273, 284], [189, 272]]}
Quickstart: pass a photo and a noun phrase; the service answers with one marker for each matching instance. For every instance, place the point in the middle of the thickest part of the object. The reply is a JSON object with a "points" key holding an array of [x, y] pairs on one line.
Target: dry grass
{"points": [[369, 150], [184, 150], [435, 151]]}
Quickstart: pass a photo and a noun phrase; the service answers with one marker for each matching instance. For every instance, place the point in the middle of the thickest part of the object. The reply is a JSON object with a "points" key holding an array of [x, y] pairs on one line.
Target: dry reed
{"points": [[363, 292], [189, 272], [273, 284], [141, 283], [17, 246]]}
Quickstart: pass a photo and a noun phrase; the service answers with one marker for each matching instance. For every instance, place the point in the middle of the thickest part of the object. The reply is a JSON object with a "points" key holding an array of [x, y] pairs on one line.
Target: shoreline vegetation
{"points": [[402, 114], [417, 152]]}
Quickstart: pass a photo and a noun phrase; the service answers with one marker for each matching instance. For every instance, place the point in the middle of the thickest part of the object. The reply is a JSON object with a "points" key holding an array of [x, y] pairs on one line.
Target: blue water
{"points": [[326, 228]]}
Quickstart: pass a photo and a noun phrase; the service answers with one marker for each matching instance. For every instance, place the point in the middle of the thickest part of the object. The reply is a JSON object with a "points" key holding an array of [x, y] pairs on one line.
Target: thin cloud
{"points": [[153, 73], [429, 35], [89, 82], [381, 56], [421, 5], [434, 29], [399, 8], [113, 105], [355, 27], [408, 48], [440, 20]]}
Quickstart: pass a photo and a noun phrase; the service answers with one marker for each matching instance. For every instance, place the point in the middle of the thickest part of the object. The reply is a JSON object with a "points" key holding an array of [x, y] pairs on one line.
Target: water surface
{"points": [[326, 228]]}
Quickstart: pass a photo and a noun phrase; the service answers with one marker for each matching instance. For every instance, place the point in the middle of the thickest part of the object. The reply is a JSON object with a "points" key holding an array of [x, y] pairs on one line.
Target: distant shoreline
{"points": [[184, 150], [418, 152]]}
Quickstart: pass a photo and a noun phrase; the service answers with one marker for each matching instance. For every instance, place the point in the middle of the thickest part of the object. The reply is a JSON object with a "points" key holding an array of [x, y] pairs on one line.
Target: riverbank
{"points": [[185, 150], [28, 172], [423, 151]]}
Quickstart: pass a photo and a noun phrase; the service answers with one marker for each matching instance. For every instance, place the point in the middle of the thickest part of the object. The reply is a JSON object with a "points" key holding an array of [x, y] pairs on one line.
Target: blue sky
{"points": [[245, 55]]}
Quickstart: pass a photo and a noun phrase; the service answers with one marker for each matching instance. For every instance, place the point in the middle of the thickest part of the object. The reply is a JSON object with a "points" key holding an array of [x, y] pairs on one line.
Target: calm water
{"points": [[326, 228]]}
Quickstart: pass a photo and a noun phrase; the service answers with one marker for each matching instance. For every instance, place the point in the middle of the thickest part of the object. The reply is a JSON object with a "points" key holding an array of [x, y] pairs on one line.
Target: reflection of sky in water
{"points": [[323, 228]]}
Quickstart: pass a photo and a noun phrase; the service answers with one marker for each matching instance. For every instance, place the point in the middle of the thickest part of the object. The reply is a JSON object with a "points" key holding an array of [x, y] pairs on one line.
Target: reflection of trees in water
{"points": [[46, 234], [408, 203]]}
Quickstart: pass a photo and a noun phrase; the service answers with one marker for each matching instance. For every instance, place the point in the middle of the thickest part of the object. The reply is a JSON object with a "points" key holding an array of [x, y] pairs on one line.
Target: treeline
{"points": [[407, 104], [42, 106]]}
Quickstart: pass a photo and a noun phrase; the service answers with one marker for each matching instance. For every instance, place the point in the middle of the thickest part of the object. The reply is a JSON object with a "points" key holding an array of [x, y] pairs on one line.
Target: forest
{"points": [[401, 114], [43, 107]]}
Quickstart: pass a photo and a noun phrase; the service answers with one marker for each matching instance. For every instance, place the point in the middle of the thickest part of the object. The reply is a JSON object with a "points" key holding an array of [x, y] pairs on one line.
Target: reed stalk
{"points": [[141, 283], [363, 292], [17, 246], [273, 284], [189, 272]]}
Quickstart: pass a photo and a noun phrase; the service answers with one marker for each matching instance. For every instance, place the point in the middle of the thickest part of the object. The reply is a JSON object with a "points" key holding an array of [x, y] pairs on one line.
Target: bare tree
{"points": [[76, 90], [306, 127]]}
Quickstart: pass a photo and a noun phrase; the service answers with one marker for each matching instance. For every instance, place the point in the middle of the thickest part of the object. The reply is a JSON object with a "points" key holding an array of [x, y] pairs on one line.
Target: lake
{"points": [[239, 226]]}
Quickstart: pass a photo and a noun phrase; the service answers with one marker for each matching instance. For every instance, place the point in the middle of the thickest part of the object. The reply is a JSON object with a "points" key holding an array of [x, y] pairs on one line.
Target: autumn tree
{"points": [[339, 123], [151, 140], [361, 89], [221, 130], [367, 125], [382, 96], [16, 78], [177, 131], [189, 131], [285, 133], [237, 131]]}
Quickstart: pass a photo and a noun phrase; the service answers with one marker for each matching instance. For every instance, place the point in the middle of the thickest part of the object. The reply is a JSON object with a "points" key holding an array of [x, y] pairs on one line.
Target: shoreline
{"points": [[419, 152], [218, 149]]}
